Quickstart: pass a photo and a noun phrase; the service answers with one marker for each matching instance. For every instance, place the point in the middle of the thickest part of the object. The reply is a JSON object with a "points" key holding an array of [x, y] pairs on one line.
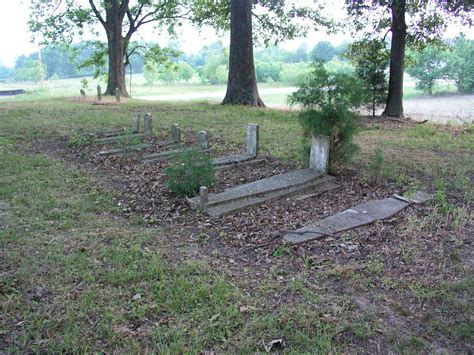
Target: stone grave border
{"points": [[291, 183]]}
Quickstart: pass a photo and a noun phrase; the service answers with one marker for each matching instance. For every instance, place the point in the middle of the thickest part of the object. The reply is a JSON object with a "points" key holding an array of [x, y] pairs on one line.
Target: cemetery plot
{"points": [[256, 192], [175, 140], [353, 217], [251, 151], [120, 135]]}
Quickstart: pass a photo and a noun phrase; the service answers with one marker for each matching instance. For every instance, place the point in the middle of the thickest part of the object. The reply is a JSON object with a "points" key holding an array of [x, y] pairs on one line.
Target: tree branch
{"points": [[97, 13]]}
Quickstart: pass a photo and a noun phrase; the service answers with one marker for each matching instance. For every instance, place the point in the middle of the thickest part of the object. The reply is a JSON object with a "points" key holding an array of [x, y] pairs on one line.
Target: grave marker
{"points": [[287, 184], [148, 124], [99, 92], [252, 139], [319, 156], [135, 123], [117, 94], [202, 139], [203, 197], [175, 133]]}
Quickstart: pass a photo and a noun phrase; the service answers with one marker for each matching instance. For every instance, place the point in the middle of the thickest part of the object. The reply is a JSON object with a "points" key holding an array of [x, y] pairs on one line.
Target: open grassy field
{"points": [[98, 257]]}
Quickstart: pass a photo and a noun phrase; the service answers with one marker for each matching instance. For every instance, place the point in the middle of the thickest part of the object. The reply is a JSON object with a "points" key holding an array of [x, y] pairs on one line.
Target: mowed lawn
{"points": [[79, 275]]}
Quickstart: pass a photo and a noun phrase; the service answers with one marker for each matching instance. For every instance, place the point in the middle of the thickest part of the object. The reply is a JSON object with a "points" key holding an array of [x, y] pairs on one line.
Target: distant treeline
{"points": [[452, 60], [209, 65]]}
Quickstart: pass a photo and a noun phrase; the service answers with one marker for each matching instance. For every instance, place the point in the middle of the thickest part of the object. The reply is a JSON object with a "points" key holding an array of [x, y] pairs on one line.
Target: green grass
{"points": [[77, 276]]}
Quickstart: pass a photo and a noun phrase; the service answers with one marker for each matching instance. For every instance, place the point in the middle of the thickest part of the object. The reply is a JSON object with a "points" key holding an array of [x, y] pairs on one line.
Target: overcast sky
{"points": [[15, 39]]}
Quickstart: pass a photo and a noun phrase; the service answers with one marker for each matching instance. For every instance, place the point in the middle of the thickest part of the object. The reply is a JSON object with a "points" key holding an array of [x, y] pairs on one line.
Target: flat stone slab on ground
{"points": [[231, 159], [122, 137], [273, 183], [243, 163], [357, 216], [132, 148], [153, 157], [256, 192]]}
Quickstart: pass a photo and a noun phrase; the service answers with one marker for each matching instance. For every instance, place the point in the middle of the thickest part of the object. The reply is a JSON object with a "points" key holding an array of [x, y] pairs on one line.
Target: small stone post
{"points": [[99, 92], [117, 94], [175, 133], [83, 93], [203, 197], [148, 124], [252, 139], [202, 139], [135, 123], [319, 156]]}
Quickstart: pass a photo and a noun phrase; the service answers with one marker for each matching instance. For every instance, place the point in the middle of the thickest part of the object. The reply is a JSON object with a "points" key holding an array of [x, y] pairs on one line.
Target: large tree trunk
{"points": [[116, 72], [115, 13], [242, 83], [394, 107]]}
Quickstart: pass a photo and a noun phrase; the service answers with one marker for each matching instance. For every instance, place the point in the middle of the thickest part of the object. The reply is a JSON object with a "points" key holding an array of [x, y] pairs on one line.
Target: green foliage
{"points": [[428, 66], [441, 200], [294, 73], [328, 100], [461, 64], [211, 72], [376, 166], [79, 139], [371, 59], [29, 71], [323, 51], [190, 170], [97, 59], [268, 71]]}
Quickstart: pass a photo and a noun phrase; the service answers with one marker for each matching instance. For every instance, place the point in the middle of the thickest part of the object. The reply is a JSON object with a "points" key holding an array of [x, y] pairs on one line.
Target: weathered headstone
{"points": [[135, 123], [319, 156], [99, 93], [203, 197], [117, 94], [83, 93], [252, 139], [148, 124], [202, 139], [175, 133]]}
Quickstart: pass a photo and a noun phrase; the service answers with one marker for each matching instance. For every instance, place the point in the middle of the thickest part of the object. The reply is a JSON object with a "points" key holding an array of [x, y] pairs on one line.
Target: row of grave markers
{"points": [[295, 182], [314, 177], [175, 140]]}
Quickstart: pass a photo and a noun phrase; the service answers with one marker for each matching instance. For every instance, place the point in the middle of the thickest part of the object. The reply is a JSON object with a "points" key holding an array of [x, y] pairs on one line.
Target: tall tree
{"points": [[242, 82], [274, 22], [394, 106], [428, 20], [62, 20]]}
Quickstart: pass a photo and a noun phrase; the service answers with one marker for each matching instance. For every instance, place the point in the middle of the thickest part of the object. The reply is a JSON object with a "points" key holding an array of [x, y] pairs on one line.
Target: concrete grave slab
{"points": [[175, 141], [251, 150], [118, 151], [247, 195], [256, 192], [356, 216]]}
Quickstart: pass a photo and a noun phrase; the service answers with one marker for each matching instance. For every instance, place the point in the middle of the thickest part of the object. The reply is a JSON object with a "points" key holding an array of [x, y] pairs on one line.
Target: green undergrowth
{"points": [[78, 277]]}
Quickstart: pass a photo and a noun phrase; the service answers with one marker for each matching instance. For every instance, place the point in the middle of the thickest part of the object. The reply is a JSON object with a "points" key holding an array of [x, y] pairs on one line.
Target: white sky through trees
{"points": [[15, 40]]}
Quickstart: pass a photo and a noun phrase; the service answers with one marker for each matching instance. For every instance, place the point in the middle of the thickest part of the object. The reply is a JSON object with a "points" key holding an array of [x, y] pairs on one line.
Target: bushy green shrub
{"points": [[329, 101], [376, 166], [190, 170]]}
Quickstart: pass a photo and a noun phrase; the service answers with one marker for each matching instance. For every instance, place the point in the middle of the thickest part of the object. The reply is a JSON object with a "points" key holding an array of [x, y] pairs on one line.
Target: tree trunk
{"points": [[394, 107], [242, 82], [115, 14]]}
